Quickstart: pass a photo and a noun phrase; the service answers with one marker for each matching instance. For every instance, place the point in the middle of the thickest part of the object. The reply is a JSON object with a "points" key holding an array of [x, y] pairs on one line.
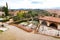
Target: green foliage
{"points": [[26, 15], [43, 12], [20, 15], [32, 14], [15, 18], [36, 12], [1, 30], [5, 9]]}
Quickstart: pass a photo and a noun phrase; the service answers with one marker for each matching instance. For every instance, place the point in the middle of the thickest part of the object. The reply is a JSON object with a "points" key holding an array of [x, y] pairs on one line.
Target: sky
{"points": [[31, 4]]}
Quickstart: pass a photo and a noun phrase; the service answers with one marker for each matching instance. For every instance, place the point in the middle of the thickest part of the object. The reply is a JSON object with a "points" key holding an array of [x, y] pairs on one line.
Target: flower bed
{"points": [[25, 28], [28, 26]]}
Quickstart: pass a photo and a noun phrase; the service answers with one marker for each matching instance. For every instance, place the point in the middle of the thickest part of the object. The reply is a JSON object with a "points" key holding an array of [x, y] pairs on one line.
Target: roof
{"points": [[54, 11], [49, 18]]}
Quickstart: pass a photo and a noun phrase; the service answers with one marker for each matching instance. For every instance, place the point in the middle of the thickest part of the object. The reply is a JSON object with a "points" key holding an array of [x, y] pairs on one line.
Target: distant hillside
{"points": [[35, 11], [57, 11]]}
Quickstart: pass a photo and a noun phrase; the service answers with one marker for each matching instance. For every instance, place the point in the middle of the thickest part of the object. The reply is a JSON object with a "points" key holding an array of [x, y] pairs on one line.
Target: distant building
{"points": [[54, 12], [14, 12], [2, 13]]}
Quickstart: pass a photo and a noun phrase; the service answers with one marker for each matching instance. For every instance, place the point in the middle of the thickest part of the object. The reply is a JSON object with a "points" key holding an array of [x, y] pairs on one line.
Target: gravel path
{"points": [[14, 33]]}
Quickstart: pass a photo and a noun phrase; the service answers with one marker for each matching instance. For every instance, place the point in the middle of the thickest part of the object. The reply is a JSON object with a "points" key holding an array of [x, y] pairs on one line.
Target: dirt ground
{"points": [[14, 33]]}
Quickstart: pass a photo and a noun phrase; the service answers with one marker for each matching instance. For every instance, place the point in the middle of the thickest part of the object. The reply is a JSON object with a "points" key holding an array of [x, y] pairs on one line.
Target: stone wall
{"points": [[48, 31]]}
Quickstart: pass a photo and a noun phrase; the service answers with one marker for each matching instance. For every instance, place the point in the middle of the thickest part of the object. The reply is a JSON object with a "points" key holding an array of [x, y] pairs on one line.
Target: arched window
{"points": [[44, 23], [53, 25]]}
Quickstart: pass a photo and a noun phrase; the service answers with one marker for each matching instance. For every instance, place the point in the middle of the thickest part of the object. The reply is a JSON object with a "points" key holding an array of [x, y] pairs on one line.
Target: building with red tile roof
{"points": [[50, 18], [53, 22]]}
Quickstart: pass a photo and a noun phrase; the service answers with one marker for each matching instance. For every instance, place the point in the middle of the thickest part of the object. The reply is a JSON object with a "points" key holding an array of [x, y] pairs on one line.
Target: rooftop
{"points": [[56, 11], [49, 18]]}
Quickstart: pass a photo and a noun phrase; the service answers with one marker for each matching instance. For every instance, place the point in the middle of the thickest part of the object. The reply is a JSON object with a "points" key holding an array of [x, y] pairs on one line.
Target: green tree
{"points": [[15, 18], [31, 15], [20, 15], [26, 15], [5, 9], [45, 13]]}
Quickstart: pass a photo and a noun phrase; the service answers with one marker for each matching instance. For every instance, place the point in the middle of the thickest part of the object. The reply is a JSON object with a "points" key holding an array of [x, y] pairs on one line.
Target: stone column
{"points": [[58, 26], [48, 23], [40, 21]]}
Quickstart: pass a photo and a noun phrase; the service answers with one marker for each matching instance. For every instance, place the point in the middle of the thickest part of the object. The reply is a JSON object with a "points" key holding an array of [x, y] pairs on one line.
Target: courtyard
{"points": [[14, 33]]}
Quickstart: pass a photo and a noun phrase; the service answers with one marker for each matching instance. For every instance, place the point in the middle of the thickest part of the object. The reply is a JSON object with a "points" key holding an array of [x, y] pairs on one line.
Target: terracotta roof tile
{"points": [[49, 18]]}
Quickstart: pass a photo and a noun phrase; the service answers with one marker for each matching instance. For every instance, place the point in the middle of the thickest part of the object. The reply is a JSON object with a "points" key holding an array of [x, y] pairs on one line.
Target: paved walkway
{"points": [[14, 33]]}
